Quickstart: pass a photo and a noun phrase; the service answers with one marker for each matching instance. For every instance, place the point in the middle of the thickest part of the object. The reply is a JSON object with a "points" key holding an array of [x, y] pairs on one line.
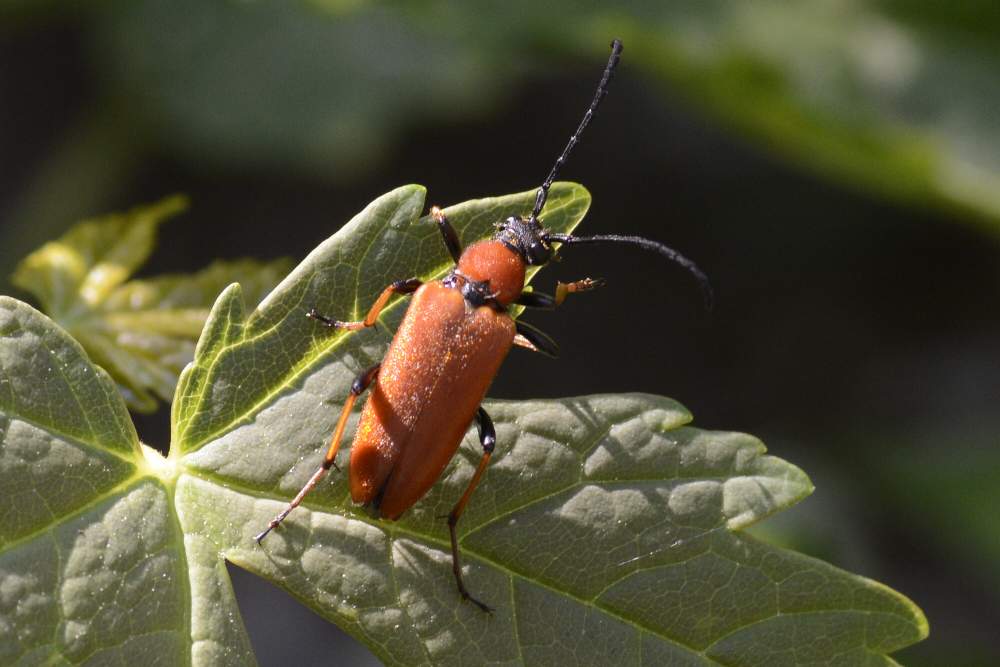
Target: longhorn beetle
{"points": [[448, 348]]}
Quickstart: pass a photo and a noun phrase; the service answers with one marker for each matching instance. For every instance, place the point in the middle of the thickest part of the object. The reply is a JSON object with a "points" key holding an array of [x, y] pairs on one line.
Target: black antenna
{"points": [[602, 90], [655, 246]]}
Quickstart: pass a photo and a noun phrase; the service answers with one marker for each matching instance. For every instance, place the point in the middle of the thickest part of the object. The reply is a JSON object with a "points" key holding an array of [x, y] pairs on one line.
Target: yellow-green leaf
{"points": [[143, 332]]}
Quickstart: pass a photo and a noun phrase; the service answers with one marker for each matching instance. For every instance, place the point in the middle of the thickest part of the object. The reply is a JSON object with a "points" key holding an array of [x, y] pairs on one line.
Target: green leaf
{"points": [[92, 563], [61, 419], [606, 531], [143, 332]]}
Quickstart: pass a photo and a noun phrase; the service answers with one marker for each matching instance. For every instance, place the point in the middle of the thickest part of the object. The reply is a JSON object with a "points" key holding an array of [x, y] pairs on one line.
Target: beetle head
{"points": [[526, 237]]}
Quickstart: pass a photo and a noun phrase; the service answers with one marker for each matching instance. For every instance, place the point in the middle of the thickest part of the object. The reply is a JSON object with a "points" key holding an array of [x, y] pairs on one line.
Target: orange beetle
{"points": [[446, 352]]}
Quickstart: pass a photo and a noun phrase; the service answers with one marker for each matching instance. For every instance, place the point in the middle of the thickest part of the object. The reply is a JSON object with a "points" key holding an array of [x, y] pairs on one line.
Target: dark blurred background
{"points": [[833, 167]]}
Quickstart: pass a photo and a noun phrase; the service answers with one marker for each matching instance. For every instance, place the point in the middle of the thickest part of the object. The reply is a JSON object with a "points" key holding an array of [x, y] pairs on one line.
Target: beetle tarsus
{"points": [[456, 566], [485, 608], [314, 314], [588, 284]]}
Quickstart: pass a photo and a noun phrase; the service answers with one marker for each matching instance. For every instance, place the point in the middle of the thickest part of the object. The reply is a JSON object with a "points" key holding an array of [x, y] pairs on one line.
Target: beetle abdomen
{"points": [[434, 376]]}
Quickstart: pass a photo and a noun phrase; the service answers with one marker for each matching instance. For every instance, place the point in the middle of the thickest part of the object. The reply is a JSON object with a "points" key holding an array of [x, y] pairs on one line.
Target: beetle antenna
{"points": [[655, 246], [602, 90]]}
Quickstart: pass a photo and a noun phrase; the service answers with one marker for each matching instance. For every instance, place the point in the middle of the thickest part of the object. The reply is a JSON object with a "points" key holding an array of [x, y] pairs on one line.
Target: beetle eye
{"points": [[538, 253]]}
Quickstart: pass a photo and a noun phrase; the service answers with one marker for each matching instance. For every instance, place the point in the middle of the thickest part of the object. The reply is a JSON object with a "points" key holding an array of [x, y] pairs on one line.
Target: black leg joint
{"points": [[487, 432], [408, 286], [535, 300], [448, 234], [363, 381]]}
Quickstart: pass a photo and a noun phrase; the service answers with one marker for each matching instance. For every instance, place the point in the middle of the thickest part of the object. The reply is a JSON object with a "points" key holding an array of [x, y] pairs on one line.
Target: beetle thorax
{"points": [[495, 263]]}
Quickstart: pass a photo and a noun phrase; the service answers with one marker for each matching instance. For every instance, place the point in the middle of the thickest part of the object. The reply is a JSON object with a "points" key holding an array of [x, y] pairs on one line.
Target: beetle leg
{"points": [[535, 339], [448, 233], [540, 300], [565, 289], [488, 439], [360, 384], [535, 300], [399, 287]]}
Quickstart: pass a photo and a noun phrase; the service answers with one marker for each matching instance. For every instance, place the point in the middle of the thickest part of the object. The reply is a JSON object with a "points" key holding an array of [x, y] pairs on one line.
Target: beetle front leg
{"points": [[399, 287], [488, 440], [563, 290], [358, 387]]}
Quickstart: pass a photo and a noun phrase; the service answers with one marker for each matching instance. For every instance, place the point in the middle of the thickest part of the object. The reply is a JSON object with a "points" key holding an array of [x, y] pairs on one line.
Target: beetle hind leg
{"points": [[360, 384], [488, 440]]}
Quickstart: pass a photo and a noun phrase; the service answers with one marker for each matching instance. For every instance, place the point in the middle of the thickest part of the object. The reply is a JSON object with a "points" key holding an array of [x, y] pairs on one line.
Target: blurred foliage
{"points": [[948, 488], [965, 478], [859, 90], [894, 96], [319, 88], [142, 332]]}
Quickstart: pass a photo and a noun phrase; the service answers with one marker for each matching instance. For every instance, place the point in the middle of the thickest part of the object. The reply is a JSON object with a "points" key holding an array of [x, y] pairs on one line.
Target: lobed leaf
{"points": [[607, 529], [604, 532]]}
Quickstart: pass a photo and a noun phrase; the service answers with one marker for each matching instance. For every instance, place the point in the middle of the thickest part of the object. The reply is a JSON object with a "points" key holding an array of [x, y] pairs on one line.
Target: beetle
{"points": [[449, 346]]}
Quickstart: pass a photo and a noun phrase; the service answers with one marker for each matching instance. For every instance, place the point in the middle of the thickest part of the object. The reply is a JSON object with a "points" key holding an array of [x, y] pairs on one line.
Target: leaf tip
{"points": [[171, 205]]}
